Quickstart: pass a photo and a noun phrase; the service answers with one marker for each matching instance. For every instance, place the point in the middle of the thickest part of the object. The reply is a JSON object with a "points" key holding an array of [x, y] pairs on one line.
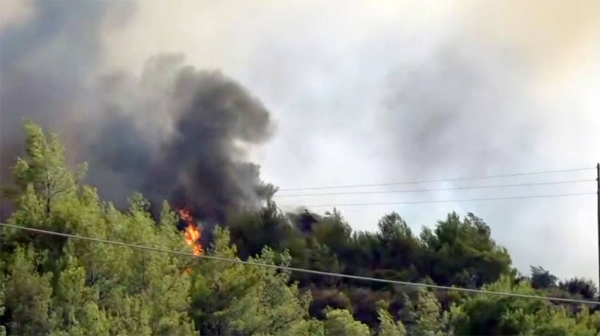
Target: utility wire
{"points": [[434, 189], [440, 201], [302, 270], [440, 180]]}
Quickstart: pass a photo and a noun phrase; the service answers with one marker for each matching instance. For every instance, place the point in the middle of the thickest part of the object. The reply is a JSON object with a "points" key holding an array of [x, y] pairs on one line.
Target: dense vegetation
{"points": [[64, 286]]}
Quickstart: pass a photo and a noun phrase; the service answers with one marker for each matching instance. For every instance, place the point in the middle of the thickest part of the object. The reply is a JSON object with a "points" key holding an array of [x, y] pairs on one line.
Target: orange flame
{"points": [[191, 234]]}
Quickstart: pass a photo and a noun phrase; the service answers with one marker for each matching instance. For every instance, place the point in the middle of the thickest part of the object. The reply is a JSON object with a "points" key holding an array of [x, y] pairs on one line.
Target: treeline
{"points": [[54, 285]]}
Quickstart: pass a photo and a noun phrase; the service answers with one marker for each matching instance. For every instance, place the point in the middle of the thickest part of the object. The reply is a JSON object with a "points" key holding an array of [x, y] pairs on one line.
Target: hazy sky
{"points": [[384, 91]]}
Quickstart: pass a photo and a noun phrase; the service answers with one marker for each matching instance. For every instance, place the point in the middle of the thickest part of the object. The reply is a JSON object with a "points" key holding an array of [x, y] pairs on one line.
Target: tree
{"points": [[462, 253], [503, 315], [324, 299], [70, 286], [387, 325], [400, 251], [28, 294], [44, 168], [542, 279], [43, 183], [103, 288], [393, 227], [67, 286], [2, 300], [580, 287], [340, 322], [421, 314], [233, 298], [75, 307]]}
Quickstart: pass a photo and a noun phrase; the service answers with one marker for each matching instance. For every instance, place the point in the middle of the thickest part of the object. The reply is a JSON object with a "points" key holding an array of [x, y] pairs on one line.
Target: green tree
{"points": [[387, 325], [75, 307], [579, 287], [28, 294], [421, 313], [44, 168], [542, 279], [400, 251], [238, 299], [462, 253], [63, 286], [340, 322], [2, 299], [503, 315], [58, 285]]}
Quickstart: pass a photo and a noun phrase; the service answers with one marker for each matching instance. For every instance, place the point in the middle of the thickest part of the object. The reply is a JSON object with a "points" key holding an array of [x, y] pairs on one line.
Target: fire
{"points": [[191, 234]]}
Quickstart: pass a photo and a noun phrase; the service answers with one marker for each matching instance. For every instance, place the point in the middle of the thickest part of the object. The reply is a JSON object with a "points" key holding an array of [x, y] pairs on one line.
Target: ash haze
{"points": [[328, 93]]}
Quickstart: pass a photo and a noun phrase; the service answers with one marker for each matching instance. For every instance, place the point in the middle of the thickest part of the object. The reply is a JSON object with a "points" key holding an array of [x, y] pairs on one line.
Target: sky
{"points": [[364, 93]]}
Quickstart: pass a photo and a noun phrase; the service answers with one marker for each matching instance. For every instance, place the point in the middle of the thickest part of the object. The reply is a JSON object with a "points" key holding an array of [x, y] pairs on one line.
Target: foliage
{"points": [[389, 327], [502, 315], [234, 298], [341, 322], [61, 286], [55, 285]]}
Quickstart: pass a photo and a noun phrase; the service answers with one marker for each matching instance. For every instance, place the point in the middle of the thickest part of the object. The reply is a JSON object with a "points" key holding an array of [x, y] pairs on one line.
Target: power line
{"points": [[302, 270], [442, 201], [440, 180], [434, 189]]}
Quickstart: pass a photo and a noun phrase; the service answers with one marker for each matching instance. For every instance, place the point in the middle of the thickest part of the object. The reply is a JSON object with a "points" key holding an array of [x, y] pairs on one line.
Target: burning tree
{"points": [[191, 233]]}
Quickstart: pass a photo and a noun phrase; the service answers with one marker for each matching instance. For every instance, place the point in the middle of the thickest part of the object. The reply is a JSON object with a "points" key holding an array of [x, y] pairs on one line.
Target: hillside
{"points": [[61, 285]]}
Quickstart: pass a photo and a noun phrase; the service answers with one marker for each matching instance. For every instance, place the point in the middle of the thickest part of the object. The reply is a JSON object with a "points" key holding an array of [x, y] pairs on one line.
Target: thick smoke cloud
{"points": [[174, 132], [180, 133]]}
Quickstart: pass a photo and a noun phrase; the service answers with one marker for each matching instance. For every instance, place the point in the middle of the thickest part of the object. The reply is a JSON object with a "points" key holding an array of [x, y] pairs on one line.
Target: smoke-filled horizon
{"points": [[181, 102]]}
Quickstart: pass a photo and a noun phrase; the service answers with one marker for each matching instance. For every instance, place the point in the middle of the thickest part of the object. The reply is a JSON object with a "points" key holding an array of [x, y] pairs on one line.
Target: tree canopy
{"points": [[57, 285]]}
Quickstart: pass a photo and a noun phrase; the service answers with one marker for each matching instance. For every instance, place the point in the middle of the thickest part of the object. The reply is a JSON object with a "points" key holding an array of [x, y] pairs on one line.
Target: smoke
{"points": [[508, 89], [48, 52], [457, 113], [180, 133], [553, 37], [485, 89], [173, 132], [393, 91], [15, 12]]}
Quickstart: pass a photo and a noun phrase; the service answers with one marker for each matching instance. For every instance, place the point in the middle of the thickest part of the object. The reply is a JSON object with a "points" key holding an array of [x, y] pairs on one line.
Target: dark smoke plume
{"points": [[174, 132], [178, 133]]}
